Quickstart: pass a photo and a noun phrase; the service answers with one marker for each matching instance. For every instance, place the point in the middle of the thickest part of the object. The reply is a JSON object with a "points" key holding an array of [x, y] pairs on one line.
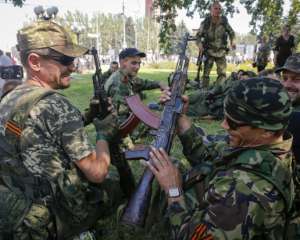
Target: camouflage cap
{"points": [[48, 34], [292, 64], [259, 102]]}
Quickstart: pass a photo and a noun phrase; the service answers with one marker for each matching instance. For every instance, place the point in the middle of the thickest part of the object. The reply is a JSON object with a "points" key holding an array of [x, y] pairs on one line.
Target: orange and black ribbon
{"points": [[13, 128], [199, 233]]}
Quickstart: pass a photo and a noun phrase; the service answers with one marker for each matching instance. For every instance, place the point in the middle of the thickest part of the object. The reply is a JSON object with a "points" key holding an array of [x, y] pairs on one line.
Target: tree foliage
{"points": [[16, 3], [266, 15]]}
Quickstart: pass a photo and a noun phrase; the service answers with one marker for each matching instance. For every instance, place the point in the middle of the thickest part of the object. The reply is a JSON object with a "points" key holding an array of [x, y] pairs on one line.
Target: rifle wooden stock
{"points": [[136, 210], [139, 202]]}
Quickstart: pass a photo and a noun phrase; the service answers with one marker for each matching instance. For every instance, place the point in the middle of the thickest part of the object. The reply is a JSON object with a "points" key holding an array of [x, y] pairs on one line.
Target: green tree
{"points": [[266, 15], [16, 3]]}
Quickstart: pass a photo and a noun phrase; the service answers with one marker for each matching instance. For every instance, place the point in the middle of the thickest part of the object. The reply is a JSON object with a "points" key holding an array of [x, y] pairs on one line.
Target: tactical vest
{"points": [[206, 26], [282, 180], [66, 197], [13, 175]]}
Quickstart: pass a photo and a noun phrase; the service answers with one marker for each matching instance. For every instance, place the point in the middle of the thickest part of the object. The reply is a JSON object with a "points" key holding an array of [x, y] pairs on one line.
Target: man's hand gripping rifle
{"points": [[136, 210]]}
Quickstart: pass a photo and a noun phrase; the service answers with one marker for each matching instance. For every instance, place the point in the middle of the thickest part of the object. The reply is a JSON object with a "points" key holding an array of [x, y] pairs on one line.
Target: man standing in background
{"points": [[212, 42]]}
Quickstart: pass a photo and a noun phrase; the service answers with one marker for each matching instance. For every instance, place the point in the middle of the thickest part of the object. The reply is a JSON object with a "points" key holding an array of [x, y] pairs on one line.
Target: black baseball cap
{"points": [[131, 52]]}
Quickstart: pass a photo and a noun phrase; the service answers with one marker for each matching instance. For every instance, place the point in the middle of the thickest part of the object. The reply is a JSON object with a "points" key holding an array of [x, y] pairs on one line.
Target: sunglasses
{"points": [[62, 59], [233, 125]]}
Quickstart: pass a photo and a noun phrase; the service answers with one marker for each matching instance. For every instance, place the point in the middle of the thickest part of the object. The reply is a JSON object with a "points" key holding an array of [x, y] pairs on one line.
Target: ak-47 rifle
{"points": [[126, 177], [99, 91], [199, 68], [137, 208]]}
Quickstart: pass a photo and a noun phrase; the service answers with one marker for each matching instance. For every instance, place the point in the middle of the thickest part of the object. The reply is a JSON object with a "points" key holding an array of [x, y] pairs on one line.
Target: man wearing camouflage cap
{"points": [[290, 79], [244, 190], [50, 173]]}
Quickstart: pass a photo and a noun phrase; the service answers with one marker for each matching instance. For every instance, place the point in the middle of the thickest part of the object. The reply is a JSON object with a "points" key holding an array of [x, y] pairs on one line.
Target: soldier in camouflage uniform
{"points": [[113, 67], [125, 82], [244, 190], [212, 42], [263, 54], [290, 79], [53, 183], [210, 103]]}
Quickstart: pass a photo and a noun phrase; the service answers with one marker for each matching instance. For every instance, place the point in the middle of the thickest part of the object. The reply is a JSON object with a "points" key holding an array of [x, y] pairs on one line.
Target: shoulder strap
{"points": [[17, 116]]}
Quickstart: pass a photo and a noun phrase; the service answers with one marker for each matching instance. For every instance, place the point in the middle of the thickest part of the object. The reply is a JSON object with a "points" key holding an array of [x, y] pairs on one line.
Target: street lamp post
{"points": [[48, 14]]}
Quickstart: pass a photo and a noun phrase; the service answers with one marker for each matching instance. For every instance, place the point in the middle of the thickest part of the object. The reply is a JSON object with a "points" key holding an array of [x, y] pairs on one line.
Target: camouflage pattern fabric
{"points": [[263, 54], [121, 85], [259, 102], [213, 38], [291, 64], [51, 140], [221, 69], [48, 34], [240, 200], [211, 101], [106, 75]]}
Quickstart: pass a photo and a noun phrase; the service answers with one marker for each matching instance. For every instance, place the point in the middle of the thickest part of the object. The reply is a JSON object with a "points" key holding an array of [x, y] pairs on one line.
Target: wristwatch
{"points": [[174, 192]]}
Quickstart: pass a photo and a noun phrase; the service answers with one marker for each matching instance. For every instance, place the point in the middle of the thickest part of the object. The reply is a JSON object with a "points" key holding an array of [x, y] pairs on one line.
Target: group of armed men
{"points": [[55, 184]]}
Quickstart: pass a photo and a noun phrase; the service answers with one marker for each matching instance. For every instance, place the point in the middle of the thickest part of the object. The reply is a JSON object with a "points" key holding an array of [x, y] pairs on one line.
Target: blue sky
{"points": [[12, 18]]}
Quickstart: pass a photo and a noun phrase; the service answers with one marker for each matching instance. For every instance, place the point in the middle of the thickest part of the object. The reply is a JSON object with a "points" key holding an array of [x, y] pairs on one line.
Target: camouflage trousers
{"points": [[21, 219], [221, 69]]}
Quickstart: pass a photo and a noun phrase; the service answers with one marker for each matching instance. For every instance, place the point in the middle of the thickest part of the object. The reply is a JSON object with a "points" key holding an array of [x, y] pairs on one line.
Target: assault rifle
{"points": [[136, 210], [99, 91], [126, 177], [199, 68]]}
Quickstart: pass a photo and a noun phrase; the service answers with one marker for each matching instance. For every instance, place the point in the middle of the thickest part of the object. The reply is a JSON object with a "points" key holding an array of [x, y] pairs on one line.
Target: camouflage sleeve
{"points": [[239, 205], [64, 125], [118, 92], [195, 150], [230, 32], [140, 84]]}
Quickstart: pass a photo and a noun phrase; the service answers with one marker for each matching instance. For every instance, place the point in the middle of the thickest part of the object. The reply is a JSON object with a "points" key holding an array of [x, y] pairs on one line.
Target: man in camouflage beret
{"points": [[53, 182], [241, 191]]}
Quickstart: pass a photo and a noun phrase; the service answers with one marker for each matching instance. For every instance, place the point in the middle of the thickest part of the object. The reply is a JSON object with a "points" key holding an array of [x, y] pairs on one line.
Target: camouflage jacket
{"points": [[121, 85], [106, 75], [214, 37], [263, 54], [44, 148], [245, 197], [210, 102]]}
